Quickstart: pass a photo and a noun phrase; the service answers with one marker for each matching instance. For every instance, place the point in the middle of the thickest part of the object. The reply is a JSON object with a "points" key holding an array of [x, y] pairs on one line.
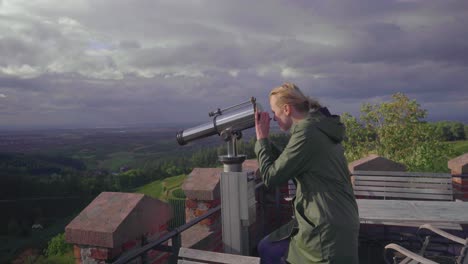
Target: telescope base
{"points": [[232, 163]]}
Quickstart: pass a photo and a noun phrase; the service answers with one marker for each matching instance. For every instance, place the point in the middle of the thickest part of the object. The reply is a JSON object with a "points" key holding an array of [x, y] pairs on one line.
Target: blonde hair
{"points": [[289, 93]]}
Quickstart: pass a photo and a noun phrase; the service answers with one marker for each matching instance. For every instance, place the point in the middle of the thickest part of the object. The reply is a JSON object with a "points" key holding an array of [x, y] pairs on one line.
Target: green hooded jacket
{"points": [[326, 222]]}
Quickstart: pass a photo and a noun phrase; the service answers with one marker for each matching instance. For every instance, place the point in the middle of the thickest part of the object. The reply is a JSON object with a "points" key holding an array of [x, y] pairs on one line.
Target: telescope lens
{"points": [[180, 138]]}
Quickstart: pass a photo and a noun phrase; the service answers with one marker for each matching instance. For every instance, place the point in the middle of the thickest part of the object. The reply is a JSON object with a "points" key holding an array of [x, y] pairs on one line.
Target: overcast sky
{"points": [[104, 63]]}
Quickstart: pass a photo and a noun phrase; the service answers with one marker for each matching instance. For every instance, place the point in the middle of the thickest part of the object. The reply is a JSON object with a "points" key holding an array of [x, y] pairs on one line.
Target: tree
{"points": [[396, 130], [358, 141], [458, 131], [443, 130], [466, 131]]}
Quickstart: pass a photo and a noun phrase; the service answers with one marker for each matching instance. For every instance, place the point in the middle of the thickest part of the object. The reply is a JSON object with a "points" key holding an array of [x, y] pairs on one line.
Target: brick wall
{"points": [[459, 171], [116, 223], [202, 191]]}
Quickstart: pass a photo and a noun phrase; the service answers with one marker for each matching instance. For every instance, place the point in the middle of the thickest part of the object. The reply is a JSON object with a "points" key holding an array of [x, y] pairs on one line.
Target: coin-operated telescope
{"points": [[237, 187], [229, 124]]}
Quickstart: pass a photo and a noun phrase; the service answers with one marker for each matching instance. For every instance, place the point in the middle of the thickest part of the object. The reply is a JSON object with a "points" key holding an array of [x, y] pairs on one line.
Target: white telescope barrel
{"points": [[191, 134], [237, 120]]}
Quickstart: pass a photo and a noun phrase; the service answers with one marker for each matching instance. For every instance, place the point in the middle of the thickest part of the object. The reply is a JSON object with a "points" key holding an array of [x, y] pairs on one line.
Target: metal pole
{"points": [[235, 235], [232, 161]]}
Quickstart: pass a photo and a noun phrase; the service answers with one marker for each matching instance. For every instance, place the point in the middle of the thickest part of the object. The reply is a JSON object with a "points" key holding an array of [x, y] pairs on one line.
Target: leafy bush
{"points": [[57, 246]]}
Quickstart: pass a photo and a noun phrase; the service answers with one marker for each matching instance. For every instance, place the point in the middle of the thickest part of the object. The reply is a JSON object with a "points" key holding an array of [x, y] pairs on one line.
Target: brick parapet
{"points": [[196, 208], [375, 162], [98, 255], [459, 169], [460, 187], [202, 189], [459, 165], [116, 223]]}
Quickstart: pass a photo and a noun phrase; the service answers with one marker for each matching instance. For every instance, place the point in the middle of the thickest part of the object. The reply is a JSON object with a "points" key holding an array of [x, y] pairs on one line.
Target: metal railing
{"points": [[175, 237]]}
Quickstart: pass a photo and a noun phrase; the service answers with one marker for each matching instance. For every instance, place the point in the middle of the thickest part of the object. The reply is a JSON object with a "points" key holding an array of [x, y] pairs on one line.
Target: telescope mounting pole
{"points": [[235, 198], [232, 161]]}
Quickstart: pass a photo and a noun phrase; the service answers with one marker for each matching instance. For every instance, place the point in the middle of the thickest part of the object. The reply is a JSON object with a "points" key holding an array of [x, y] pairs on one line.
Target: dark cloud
{"points": [[119, 62]]}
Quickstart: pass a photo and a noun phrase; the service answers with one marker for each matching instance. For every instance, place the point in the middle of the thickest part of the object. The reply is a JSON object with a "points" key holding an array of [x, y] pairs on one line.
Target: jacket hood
{"points": [[330, 125]]}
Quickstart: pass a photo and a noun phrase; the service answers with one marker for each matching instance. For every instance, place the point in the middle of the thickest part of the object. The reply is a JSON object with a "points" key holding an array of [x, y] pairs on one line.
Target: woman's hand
{"points": [[262, 124]]}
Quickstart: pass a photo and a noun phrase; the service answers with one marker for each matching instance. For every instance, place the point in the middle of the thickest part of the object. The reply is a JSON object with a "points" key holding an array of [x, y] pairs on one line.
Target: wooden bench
{"points": [[398, 185], [195, 256], [390, 185]]}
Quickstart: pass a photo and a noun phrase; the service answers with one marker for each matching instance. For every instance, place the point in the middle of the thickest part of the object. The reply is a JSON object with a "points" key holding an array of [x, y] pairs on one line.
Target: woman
{"points": [[326, 225]]}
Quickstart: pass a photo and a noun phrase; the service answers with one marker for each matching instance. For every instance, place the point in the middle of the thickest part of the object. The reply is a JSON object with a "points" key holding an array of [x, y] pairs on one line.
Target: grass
{"points": [[174, 182], [162, 189], [153, 189], [459, 147]]}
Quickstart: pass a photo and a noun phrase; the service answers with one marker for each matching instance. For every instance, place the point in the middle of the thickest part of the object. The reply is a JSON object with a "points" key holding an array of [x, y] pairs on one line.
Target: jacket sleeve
{"points": [[289, 163], [275, 150]]}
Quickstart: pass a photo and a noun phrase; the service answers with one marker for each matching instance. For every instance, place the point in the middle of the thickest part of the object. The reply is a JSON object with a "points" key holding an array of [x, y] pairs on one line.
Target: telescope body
{"points": [[243, 117]]}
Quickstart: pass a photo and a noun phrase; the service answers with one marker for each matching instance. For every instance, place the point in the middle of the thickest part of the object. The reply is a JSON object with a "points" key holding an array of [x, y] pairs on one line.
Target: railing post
{"points": [[176, 244], [144, 257]]}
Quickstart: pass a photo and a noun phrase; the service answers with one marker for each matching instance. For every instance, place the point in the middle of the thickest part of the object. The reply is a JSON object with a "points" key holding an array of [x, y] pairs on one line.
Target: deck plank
{"points": [[215, 257]]}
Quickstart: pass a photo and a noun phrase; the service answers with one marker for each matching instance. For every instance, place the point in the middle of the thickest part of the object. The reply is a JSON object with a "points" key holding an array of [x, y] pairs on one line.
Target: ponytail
{"points": [[314, 104], [289, 93]]}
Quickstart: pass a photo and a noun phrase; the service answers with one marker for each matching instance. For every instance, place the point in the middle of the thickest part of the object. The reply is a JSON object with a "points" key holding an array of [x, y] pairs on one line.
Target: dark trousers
{"points": [[273, 252]]}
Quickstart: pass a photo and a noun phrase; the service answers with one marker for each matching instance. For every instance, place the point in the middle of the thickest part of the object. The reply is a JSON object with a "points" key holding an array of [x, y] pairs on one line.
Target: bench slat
{"points": [[403, 174], [403, 184], [208, 256], [449, 226], [403, 190], [405, 195], [403, 179], [183, 261]]}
